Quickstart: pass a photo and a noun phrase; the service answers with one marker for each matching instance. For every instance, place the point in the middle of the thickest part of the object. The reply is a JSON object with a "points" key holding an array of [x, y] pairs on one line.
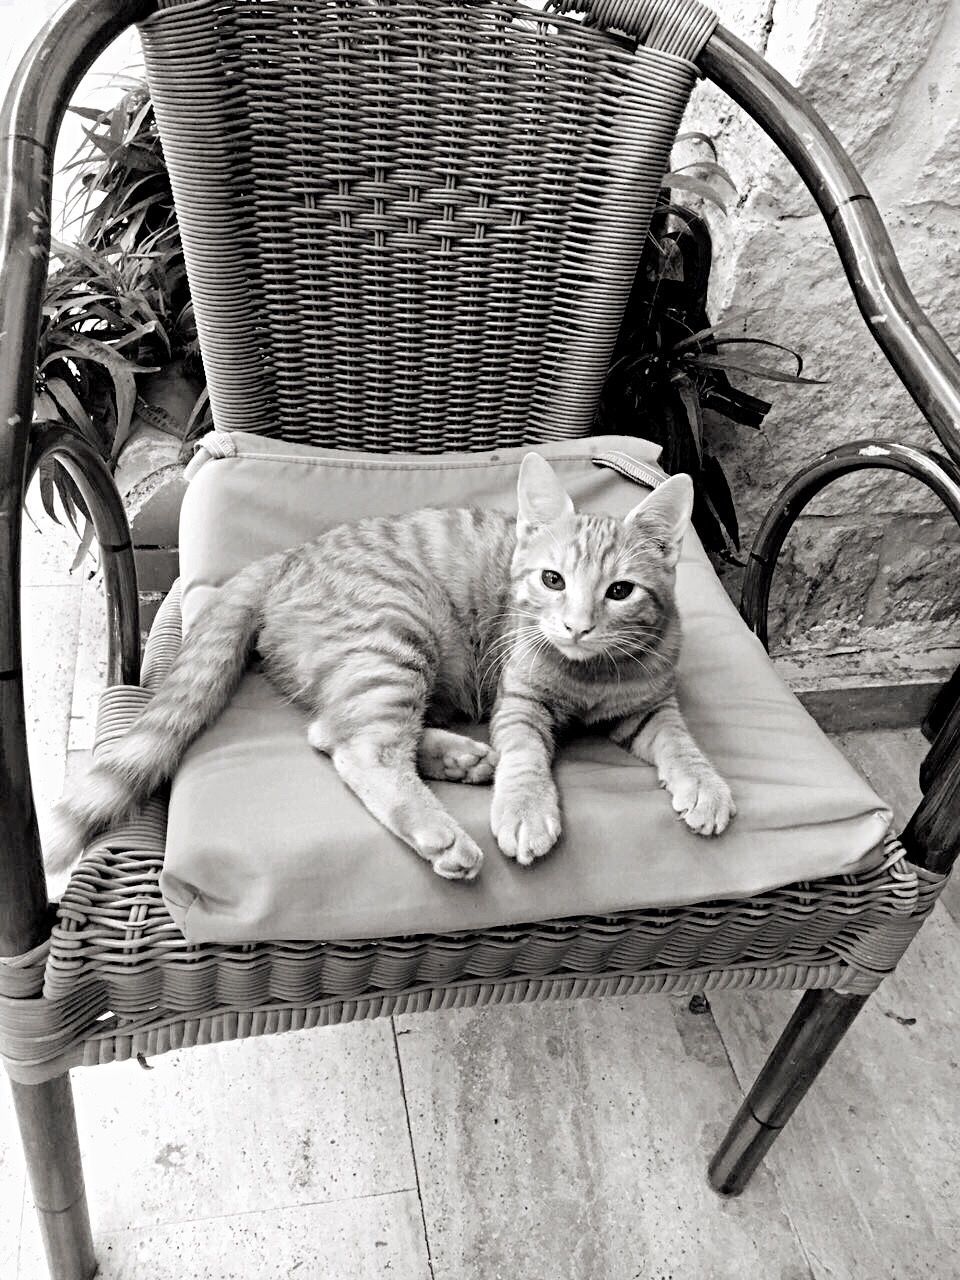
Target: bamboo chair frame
{"points": [[40, 1039]]}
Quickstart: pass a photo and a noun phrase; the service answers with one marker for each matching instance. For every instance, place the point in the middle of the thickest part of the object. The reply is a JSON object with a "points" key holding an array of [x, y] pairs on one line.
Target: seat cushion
{"points": [[265, 842]]}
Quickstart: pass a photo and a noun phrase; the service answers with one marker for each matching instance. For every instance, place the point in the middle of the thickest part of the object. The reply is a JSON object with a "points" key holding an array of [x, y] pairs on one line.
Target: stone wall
{"points": [[871, 579]]}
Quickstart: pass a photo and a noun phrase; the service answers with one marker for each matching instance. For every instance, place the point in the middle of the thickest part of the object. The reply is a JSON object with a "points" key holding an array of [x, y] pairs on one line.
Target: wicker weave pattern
{"points": [[114, 930], [412, 224], [38, 1054], [109, 947]]}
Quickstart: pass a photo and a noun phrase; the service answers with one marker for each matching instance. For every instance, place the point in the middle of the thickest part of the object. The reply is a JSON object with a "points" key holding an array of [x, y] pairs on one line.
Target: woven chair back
{"points": [[414, 224]]}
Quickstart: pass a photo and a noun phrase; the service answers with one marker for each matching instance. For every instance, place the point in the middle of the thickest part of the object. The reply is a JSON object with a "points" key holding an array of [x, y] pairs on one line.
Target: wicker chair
{"points": [[295, 346]]}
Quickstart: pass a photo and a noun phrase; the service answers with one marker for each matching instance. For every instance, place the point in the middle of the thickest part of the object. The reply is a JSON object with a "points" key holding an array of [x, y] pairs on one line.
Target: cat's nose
{"points": [[577, 631]]}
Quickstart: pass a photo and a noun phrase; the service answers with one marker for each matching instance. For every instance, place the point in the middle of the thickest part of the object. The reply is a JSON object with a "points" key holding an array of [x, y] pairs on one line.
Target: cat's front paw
{"points": [[461, 861], [704, 801], [526, 823], [448, 847]]}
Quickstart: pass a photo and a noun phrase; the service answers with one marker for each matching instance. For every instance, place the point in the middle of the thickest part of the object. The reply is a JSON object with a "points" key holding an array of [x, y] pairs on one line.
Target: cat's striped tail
{"points": [[198, 686]]}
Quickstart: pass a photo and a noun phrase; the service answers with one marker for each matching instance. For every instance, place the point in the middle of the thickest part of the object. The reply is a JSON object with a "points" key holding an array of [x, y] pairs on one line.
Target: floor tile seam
{"points": [[166, 1223], [413, 1150]]}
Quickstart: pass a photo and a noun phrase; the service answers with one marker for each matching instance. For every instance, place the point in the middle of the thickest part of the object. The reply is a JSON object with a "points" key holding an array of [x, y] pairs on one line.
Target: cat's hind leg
{"points": [[378, 764], [368, 717], [454, 757]]}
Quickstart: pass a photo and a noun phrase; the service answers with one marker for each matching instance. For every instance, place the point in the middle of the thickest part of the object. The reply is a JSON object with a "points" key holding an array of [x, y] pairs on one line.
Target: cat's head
{"points": [[593, 585]]}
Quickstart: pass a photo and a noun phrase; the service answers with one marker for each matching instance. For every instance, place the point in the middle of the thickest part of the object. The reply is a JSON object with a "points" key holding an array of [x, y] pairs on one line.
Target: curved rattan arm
{"points": [[23, 898], [933, 470], [100, 493], [30, 118], [932, 837], [29, 121], [918, 354]]}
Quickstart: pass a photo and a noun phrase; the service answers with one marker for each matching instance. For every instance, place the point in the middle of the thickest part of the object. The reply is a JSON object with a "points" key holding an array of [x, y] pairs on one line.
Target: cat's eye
{"points": [[550, 578], [619, 590]]}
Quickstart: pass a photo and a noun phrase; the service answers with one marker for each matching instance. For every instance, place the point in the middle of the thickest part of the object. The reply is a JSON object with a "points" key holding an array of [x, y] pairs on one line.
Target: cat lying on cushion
{"points": [[387, 629]]}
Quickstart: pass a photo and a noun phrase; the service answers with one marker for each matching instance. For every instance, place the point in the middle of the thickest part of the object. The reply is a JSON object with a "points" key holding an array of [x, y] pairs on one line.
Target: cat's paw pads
{"points": [[526, 827], [705, 803], [449, 757], [451, 851], [461, 861]]}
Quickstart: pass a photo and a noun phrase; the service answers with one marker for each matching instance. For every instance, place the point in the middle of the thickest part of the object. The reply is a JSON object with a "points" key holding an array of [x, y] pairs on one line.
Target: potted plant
{"points": [[118, 355]]}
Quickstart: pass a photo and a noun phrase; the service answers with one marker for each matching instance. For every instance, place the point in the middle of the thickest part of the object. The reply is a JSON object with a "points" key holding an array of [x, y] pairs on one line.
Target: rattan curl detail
{"points": [[680, 27]]}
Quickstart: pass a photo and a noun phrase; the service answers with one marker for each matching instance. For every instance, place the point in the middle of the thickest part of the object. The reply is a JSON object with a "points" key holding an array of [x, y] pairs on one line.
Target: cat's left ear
{"points": [[541, 497], [664, 515]]}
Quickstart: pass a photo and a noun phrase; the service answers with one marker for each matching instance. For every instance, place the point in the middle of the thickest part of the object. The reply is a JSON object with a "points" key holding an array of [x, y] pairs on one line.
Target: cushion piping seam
{"points": [[356, 464]]}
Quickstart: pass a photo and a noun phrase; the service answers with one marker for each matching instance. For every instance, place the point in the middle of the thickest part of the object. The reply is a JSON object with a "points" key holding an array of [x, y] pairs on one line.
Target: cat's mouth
{"points": [[573, 651]]}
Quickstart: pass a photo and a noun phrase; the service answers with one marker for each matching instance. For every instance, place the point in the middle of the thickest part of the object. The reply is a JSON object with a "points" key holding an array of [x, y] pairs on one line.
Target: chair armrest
{"points": [[30, 117], [916, 351], [932, 836], [919, 357], [29, 120], [92, 477], [23, 895], [938, 473]]}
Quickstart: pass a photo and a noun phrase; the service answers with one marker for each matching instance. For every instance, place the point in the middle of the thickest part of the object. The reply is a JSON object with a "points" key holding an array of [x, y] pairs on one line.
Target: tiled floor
{"points": [[563, 1142]]}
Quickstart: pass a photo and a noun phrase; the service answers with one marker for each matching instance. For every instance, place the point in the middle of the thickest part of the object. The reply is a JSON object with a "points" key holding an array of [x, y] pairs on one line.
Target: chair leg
{"points": [[816, 1028], [48, 1128]]}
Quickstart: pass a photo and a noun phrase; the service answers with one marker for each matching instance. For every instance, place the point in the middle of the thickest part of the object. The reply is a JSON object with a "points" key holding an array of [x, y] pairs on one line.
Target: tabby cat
{"points": [[386, 630]]}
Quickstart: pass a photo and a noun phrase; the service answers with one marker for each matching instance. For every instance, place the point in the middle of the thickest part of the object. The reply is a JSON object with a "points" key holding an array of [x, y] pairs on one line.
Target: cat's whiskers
{"points": [[492, 666], [514, 614], [538, 649], [511, 610], [502, 648], [639, 634], [510, 637], [645, 643], [529, 644], [614, 649], [607, 655]]}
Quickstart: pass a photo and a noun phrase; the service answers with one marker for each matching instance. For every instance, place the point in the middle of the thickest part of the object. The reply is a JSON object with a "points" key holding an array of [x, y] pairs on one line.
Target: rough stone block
{"points": [[885, 596], [823, 583], [919, 578]]}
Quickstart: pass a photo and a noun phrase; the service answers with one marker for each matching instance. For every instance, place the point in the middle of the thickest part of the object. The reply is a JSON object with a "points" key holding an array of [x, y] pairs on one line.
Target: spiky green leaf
{"points": [[704, 166], [745, 366], [695, 135], [684, 182]]}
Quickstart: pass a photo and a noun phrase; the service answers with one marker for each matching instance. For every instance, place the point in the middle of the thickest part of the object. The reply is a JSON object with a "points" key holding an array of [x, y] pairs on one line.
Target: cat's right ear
{"points": [[541, 497], [664, 515]]}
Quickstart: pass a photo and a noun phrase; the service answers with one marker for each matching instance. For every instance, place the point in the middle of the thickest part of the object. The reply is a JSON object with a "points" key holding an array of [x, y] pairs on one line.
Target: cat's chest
{"points": [[594, 697], [470, 662], [626, 700]]}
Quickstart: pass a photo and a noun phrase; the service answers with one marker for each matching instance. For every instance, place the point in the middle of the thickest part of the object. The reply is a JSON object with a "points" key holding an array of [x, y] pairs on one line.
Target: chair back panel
{"points": [[414, 224]]}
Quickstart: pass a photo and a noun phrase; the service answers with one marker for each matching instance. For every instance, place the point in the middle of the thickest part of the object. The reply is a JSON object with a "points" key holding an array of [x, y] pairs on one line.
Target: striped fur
{"points": [[388, 630]]}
